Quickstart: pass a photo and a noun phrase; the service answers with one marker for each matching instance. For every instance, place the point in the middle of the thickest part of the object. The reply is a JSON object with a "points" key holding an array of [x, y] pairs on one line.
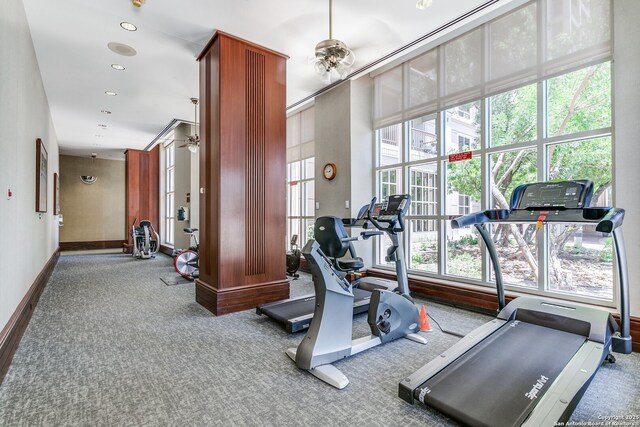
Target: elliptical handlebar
{"points": [[370, 217], [394, 225]]}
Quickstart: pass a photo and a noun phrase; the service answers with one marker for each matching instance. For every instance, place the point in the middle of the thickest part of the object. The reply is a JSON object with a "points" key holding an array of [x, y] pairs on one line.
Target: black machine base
{"points": [[295, 315]]}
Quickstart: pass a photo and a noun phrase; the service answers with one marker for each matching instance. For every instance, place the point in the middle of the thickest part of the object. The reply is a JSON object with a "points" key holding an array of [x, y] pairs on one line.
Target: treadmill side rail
{"points": [[563, 395], [408, 385]]}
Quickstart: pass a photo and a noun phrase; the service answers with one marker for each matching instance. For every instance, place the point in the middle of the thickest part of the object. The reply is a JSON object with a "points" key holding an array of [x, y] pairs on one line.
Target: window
{"points": [[525, 97], [558, 128], [300, 176], [464, 204], [300, 200], [169, 193], [464, 142]]}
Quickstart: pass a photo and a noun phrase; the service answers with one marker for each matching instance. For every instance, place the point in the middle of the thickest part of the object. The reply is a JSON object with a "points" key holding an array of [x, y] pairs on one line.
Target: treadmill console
{"points": [[394, 207], [553, 195]]}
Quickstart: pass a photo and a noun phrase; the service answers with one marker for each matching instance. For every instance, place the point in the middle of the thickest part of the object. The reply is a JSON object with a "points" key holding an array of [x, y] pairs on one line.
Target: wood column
{"points": [[242, 175], [142, 188]]}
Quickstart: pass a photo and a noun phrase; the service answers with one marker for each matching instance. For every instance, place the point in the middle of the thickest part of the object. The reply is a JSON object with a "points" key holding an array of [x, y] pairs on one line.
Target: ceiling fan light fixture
{"points": [[332, 55], [137, 3], [423, 4]]}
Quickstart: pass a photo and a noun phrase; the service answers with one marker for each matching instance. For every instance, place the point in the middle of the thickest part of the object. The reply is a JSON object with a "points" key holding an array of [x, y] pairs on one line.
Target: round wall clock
{"points": [[329, 171]]}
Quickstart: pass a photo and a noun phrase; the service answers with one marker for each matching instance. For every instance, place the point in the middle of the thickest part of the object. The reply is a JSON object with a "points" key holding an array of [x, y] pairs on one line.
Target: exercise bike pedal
{"points": [[383, 325]]}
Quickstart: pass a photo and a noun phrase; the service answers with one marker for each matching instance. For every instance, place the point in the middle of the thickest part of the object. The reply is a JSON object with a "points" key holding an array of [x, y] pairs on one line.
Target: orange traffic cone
{"points": [[424, 320]]}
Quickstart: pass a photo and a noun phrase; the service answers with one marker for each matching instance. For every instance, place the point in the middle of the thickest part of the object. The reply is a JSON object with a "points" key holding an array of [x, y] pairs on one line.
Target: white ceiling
{"points": [[71, 37]]}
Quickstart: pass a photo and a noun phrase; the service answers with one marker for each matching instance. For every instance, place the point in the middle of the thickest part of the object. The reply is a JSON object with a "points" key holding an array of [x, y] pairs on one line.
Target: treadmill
{"points": [[295, 314], [532, 364]]}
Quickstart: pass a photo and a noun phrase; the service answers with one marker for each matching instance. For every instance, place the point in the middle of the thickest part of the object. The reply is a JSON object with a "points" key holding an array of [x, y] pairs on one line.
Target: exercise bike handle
{"points": [[371, 218]]}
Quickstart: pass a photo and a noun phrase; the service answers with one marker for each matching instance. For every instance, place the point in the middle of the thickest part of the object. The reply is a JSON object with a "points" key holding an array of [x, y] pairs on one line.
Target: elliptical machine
{"points": [[293, 258], [391, 315], [145, 240]]}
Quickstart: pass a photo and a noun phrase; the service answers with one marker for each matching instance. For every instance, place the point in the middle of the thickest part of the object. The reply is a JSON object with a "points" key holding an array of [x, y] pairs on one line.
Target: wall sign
{"points": [[457, 157]]}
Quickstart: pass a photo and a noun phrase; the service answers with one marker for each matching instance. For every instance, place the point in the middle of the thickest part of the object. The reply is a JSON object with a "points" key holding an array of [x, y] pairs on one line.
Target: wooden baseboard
{"points": [[227, 301], [12, 333], [483, 301], [167, 250], [85, 246]]}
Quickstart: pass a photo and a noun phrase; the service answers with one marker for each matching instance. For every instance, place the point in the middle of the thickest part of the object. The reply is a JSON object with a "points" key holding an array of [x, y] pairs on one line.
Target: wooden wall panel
{"points": [[254, 187], [142, 188], [242, 168], [91, 245]]}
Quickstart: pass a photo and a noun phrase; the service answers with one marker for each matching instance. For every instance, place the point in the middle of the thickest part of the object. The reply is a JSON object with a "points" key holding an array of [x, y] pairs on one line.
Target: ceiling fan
{"points": [[332, 57], [193, 141]]}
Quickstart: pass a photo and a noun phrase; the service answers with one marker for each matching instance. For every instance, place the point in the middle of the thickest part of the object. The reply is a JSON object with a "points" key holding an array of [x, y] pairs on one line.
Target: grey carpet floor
{"points": [[109, 344]]}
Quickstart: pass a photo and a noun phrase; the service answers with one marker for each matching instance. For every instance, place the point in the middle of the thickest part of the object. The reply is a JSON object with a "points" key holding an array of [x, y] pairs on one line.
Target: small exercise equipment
{"points": [[145, 239], [186, 262], [293, 258], [391, 315]]}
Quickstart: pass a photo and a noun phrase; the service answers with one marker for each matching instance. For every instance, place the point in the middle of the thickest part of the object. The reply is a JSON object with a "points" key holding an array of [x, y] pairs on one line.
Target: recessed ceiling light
{"points": [[128, 26], [105, 111], [110, 93], [117, 67]]}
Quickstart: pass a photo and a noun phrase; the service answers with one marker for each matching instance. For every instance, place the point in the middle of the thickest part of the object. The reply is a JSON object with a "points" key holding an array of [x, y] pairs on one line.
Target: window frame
{"points": [[540, 144], [168, 237]]}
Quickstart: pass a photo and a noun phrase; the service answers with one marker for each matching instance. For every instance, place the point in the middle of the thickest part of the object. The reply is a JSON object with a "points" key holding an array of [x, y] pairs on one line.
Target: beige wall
{"points": [[92, 212], [626, 108], [24, 116]]}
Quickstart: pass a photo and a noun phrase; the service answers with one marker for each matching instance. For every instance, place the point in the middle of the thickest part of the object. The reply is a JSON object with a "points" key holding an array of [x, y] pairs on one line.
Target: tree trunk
{"points": [[513, 229]]}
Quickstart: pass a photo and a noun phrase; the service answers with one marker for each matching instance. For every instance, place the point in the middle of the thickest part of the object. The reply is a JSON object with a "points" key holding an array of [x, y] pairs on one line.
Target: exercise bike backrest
{"points": [[331, 235]]}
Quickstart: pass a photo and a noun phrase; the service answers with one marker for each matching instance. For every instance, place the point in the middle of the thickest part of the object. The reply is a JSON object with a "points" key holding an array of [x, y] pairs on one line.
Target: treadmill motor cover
{"points": [[510, 370]]}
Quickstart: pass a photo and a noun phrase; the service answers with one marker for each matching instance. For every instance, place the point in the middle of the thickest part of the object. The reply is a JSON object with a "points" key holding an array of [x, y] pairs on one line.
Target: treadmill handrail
{"points": [[607, 220]]}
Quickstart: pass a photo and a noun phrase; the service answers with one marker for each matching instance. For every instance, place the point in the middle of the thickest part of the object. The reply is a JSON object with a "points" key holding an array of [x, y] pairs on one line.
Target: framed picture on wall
{"points": [[56, 194], [41, 176]]}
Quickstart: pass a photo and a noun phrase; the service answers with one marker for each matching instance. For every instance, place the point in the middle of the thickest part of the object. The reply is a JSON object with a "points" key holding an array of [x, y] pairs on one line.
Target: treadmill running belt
{"points": [[498, 382]]}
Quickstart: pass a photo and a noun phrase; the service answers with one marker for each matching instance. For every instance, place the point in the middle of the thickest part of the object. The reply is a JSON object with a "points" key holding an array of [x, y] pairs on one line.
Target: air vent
{"points": [[122, 49]]}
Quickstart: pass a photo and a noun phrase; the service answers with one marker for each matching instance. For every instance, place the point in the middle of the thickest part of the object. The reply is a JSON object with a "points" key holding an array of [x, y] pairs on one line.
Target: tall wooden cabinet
{"points": [[242, 175]]}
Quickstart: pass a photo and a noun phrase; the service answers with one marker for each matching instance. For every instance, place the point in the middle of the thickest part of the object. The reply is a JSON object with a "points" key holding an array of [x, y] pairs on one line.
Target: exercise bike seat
{"points": [[350, 264], [190, 230]]}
